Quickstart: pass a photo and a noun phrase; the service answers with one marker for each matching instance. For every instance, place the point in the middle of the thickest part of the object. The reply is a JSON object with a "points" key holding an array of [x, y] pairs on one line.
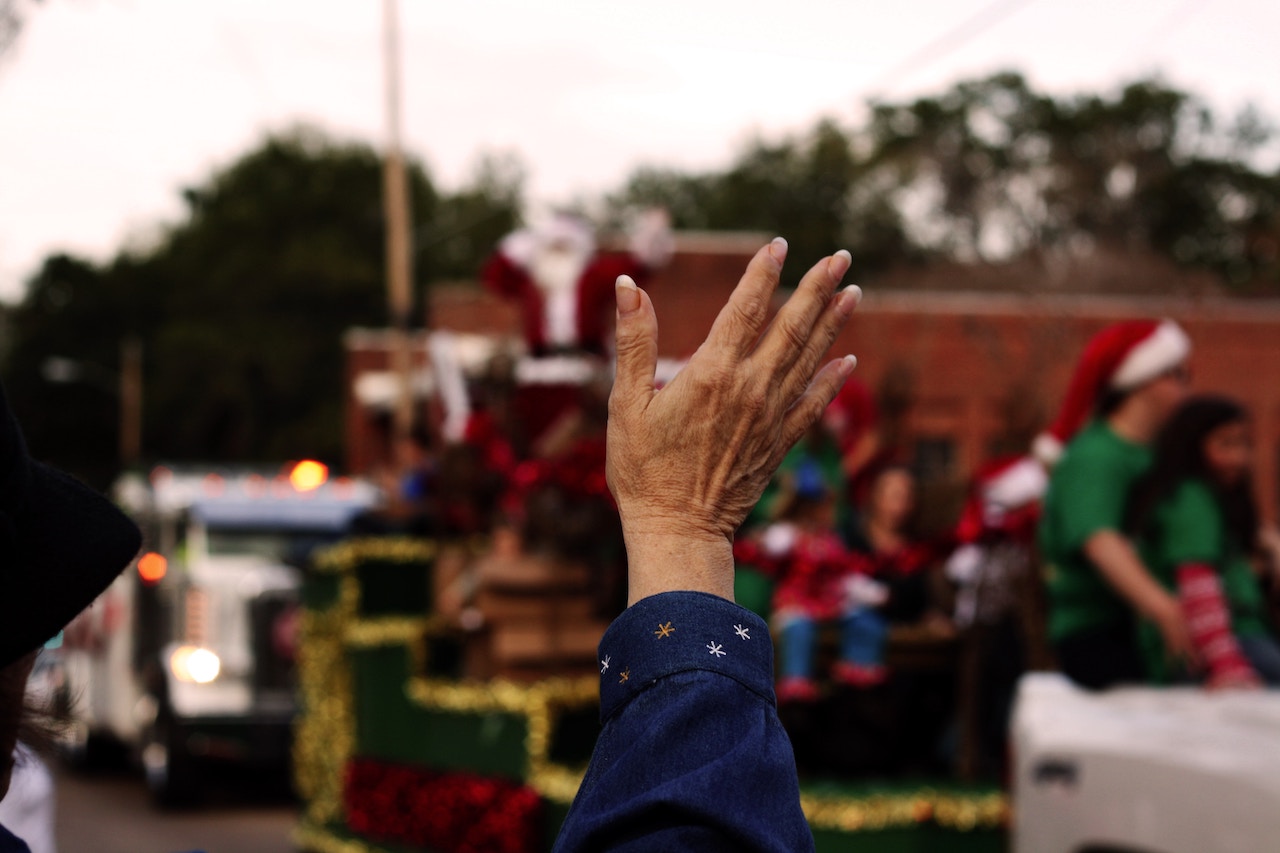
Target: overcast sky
{"points": [[107, 107]]}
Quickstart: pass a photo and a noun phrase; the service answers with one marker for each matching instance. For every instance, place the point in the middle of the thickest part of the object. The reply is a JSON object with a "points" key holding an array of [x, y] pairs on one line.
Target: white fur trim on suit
{"points": [[1162, 350], [1018, 485], [650, 240], [519, 247], [557, 273], [1047, 449]]}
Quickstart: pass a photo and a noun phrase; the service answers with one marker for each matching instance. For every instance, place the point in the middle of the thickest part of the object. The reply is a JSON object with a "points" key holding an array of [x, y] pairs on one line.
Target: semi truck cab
{"points": [[190, 658]]}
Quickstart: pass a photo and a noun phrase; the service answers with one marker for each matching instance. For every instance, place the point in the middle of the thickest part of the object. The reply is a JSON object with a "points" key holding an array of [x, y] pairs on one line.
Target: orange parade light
{"points": [[152, 567], [214, 484], [308, 475]]}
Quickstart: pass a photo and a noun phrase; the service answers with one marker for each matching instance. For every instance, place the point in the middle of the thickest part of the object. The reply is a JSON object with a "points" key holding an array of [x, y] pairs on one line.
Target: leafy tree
{"points": [[991, 170], [469, 223], [798, 187], [241, 307], [73, 423]]}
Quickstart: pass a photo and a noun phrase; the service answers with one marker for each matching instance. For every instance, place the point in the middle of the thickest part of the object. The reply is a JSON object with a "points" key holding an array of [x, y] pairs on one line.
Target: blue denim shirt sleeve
{"points": [[691, 756]]}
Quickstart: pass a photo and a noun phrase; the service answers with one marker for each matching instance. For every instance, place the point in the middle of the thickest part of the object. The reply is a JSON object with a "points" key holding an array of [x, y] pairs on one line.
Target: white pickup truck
{"points": [[1145, 770]]}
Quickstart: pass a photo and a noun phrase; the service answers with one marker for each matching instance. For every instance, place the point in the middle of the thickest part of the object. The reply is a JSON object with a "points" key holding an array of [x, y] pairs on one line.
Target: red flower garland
{"points": [[446, 812]]}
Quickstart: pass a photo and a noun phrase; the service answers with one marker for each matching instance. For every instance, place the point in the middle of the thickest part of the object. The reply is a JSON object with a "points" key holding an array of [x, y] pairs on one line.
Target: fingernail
{"points": [[838, 264], [847, 364], [849, 298], [627, 294], [778, 249]]}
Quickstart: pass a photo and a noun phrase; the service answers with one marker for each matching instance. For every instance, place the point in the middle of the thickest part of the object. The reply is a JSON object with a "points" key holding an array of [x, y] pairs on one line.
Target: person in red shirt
{"points": [[819, 581]]}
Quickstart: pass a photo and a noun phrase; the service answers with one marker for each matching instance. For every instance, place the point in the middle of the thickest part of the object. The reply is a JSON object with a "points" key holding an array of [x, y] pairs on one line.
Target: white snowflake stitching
{"points": [[717, 649], [604, 664], [742, 632]]}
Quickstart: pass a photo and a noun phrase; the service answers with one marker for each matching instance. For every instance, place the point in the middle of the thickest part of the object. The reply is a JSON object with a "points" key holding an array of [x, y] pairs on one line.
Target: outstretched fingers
{"points": [[791, 332], [822, 336], [812, 403], [738, 325], [637, 345]]}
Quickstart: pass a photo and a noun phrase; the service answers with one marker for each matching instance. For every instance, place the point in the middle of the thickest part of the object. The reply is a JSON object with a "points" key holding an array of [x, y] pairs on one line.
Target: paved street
{"points": [[109, 812]]}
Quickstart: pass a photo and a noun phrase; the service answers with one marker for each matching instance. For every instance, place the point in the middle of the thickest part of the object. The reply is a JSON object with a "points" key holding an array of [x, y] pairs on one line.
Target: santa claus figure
{"points": [[564, 285]]}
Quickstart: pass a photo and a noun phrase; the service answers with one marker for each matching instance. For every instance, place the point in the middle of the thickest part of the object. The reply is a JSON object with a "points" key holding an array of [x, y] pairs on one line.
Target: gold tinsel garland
{"points": [[538, 703], [388, 631], [324, 733], [344, 557], [960, 812]]}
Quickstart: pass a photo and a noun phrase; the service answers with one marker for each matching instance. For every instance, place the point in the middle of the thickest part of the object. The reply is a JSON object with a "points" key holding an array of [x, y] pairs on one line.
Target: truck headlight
{"points": [[192, 663]]}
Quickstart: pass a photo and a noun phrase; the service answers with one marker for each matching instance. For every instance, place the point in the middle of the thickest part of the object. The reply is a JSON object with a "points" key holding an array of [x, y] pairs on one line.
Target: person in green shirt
{"points": [[1130, 379], [1197, 526]]}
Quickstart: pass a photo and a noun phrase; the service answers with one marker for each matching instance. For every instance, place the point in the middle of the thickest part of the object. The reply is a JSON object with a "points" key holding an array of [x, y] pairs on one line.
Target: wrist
{"points": [[663, 560]]}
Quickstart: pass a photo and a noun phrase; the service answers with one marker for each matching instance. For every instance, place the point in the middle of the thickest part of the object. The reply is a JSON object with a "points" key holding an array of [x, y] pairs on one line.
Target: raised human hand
{"points": [[688, 462]]}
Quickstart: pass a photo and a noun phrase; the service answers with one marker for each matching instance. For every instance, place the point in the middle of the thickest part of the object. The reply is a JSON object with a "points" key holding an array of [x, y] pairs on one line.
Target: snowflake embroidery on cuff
{"points": [[742, 632], [664, 630], [604, 665], [626, 673], [717, 649]]}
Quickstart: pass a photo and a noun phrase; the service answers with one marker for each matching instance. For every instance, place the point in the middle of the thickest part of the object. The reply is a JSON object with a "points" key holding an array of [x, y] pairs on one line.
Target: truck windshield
{"points": [[285, 546]]}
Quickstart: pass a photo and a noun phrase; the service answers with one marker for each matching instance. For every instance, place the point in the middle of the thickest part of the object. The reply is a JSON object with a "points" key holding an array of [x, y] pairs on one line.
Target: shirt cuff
{"points": [[675, 632]]}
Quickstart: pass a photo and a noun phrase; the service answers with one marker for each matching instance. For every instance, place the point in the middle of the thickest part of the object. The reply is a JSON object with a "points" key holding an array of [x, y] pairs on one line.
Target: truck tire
{"points": [[171, 772]]}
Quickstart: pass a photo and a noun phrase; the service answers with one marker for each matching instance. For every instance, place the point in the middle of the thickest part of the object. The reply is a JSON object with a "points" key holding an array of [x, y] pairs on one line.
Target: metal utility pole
{"points": [[397, 211]]}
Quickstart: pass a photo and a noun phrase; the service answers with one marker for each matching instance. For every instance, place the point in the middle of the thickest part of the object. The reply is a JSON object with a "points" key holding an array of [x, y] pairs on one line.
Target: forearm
{"points": [[1120, 566], [1208, 614]]}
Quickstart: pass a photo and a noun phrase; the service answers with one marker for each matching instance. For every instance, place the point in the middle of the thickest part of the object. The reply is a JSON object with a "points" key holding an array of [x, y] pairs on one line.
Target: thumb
{"points": [[637, 344]]}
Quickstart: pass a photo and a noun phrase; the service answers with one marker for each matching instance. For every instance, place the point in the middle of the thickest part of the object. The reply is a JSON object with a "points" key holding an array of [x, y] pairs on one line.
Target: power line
{"points": [[948, 42]]}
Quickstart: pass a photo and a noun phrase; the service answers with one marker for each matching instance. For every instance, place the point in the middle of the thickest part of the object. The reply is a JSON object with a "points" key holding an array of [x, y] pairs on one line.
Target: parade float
{"points": [[394, 752]]}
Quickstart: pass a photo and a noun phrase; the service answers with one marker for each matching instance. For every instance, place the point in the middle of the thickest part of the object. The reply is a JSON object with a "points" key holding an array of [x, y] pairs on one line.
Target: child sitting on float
{"points": [[818, 581]]}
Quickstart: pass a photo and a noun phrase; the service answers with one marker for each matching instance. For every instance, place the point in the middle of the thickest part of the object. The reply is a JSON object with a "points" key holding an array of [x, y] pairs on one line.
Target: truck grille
{"points": [[273, 618]]}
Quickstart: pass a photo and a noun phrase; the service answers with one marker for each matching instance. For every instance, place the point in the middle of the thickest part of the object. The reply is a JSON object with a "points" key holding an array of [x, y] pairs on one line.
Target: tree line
{"points": [[240, 306], [992, 170]]}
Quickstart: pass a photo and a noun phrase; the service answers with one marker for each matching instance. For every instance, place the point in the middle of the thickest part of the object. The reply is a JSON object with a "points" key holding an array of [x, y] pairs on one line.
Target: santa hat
{"points": [[1121, 357], [521, 247], [1003, 498], [649, 238]]}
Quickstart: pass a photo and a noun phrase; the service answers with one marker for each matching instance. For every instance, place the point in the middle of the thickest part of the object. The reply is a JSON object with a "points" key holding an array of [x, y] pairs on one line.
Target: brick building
{"points": [[960, 375]]}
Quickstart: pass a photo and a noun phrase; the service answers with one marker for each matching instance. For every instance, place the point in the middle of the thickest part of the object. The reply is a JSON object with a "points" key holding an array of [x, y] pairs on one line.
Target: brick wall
{"points": [[982, 371]]}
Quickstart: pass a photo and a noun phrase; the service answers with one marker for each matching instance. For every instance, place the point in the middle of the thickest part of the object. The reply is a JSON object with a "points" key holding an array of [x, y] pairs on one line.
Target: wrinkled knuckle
{"points": [[715, 379], [804, 369], [747, 310], [811, 408], [628, 343], [795, 337], [755, 400]]}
